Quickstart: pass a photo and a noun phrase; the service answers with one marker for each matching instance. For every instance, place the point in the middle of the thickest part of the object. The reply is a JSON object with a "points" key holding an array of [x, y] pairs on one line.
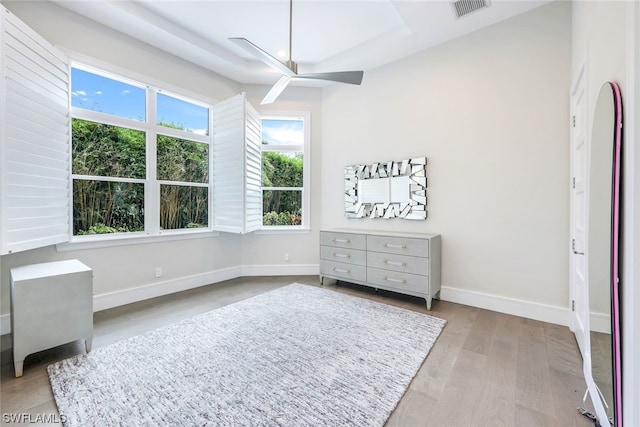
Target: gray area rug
{"points": [[295, 356]]}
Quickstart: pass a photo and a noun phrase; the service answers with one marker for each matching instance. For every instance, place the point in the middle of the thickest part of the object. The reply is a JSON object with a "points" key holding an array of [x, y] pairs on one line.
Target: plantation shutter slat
{"points": [[253, 171], [237, 197], [34, 139], [228, 165]]}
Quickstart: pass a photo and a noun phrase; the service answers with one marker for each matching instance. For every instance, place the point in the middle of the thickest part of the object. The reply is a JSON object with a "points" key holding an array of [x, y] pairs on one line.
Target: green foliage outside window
{"points": [[107, 207], [101, 207], [183, 207], [182, 160], [105, 150], [282, 207], [186, 161]]}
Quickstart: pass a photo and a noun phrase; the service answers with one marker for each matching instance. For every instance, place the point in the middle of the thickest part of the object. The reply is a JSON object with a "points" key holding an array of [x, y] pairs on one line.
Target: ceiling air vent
{"points": [[465, 7]]}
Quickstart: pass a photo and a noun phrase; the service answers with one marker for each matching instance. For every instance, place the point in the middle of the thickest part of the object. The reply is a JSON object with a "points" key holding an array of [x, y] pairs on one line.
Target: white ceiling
{"points": [[328, 35]]}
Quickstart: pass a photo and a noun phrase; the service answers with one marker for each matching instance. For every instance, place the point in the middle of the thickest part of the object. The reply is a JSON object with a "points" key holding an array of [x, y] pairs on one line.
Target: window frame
{"points": [[151, 182], [305, 148]]}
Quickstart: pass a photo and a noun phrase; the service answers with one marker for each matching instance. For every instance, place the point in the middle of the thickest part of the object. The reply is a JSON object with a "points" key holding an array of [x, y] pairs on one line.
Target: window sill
{"points": [[98, 242], [283, 230]]}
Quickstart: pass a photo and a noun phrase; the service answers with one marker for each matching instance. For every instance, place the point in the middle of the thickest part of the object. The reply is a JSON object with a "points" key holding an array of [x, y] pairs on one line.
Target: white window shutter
{"points": [[253, 174], [237, 192], [34, 139]]}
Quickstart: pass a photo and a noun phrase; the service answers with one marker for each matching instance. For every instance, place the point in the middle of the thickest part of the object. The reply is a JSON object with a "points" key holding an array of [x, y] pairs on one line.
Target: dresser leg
{"points": [[321, 281], [18, 364], [87, 344], [428, 303]]}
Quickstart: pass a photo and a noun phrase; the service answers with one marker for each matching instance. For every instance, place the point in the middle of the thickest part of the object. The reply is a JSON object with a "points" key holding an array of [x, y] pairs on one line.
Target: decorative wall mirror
{"points": [[387, 190], [602, 366]]}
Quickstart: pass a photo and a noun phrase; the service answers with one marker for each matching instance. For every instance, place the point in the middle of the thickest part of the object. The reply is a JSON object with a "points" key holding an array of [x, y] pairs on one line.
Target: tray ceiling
{"points": [[328, 35]]}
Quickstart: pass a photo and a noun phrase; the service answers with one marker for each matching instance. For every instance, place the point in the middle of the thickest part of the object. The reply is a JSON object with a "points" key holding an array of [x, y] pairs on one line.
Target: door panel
{"points": [[578, 286]]}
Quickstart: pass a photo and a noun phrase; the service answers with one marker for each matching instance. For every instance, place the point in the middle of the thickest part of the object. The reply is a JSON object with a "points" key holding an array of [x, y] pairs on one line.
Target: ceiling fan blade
{"points": [[276, 90], [350, 77], [262, 55]]}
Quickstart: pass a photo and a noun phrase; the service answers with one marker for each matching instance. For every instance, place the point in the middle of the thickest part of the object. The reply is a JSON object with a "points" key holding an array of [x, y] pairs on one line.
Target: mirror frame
{"points": [[615, 257], [610, 89], [413, 208]]}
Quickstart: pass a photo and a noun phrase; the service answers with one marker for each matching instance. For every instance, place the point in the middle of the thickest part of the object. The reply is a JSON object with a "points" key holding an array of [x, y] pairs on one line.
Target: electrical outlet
{"points": [[286, 257], [158, 271]]}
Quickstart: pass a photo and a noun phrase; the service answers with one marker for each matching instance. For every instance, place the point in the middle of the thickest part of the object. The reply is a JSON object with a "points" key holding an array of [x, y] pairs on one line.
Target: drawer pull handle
{"points": [[401, 264], [341, 240], [390, 279], [341, 255], [391, 245], [341, 270]]}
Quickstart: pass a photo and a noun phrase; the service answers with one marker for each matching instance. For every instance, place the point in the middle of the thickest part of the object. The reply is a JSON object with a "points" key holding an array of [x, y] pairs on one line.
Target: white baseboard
{"points": [[542, 312], [600, 322], [281, 270], [157, 289], [530, 310], [151, 290]]}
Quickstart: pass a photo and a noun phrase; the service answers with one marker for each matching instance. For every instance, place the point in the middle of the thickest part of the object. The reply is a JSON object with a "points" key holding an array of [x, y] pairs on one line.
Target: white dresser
{"points": [[407, 263]]}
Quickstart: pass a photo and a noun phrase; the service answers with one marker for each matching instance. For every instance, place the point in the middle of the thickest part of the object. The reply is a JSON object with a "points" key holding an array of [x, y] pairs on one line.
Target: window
{"points": [[140, 157], [285, 170]]}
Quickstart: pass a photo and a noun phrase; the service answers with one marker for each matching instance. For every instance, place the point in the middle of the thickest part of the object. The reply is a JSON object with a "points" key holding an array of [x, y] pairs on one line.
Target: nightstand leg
{"points": [[428, 303], [87, 344], [18, 364]]}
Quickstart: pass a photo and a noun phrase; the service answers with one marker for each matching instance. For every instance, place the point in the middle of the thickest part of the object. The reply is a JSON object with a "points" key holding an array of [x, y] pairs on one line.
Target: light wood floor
{"points": [[486, 369]]}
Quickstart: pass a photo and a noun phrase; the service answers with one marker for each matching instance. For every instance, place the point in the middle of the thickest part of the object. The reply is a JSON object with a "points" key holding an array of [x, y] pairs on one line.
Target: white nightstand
{"points": [[51, 305]]}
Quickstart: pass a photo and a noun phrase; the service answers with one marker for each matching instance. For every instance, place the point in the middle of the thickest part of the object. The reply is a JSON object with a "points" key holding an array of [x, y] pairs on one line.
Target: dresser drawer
{"points": [[344, 271], [398, 245], [349, 256], [397, 280], [394, 262], [343, 240]]}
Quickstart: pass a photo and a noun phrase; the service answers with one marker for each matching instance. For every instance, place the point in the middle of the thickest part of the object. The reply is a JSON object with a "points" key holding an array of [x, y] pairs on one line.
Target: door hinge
{"points": [[573, 247], [573, 183], [573, 305], [574, 121]]}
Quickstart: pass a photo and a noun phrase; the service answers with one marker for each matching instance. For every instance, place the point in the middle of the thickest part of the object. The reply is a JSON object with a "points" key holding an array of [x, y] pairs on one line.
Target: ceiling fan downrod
{"points": [[290, 63], [289, 68]]}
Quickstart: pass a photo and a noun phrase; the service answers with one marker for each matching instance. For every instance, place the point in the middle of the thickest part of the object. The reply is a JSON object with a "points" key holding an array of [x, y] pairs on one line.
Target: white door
{"points": [[578, 208]]}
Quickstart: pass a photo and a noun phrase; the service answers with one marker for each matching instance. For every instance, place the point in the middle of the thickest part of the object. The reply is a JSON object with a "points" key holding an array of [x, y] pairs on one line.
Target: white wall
{"points": [[631, 242], [126, 273], [71, 31], [602, 33], [121, 270], [631, 237], [266, 251], [490, 112]]}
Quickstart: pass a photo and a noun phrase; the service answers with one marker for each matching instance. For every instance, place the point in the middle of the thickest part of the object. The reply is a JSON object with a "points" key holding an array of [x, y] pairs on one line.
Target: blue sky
{"points": [[283, 132], [98, 93]]}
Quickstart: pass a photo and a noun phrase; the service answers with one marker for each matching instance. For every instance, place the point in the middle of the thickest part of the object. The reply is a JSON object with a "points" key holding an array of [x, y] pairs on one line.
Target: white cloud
{"points": [[126, 92], [199, 131], [98, 92], [79, 93], [284, 136]]}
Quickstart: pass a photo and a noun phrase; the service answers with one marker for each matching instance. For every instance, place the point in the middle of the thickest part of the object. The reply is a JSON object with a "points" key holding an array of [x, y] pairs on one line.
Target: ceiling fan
{"points": [[289, 69]]}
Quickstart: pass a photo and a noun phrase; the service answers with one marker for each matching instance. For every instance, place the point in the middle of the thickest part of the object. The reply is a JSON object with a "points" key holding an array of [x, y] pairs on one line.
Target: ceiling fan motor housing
{"points": [[292, 66]]}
